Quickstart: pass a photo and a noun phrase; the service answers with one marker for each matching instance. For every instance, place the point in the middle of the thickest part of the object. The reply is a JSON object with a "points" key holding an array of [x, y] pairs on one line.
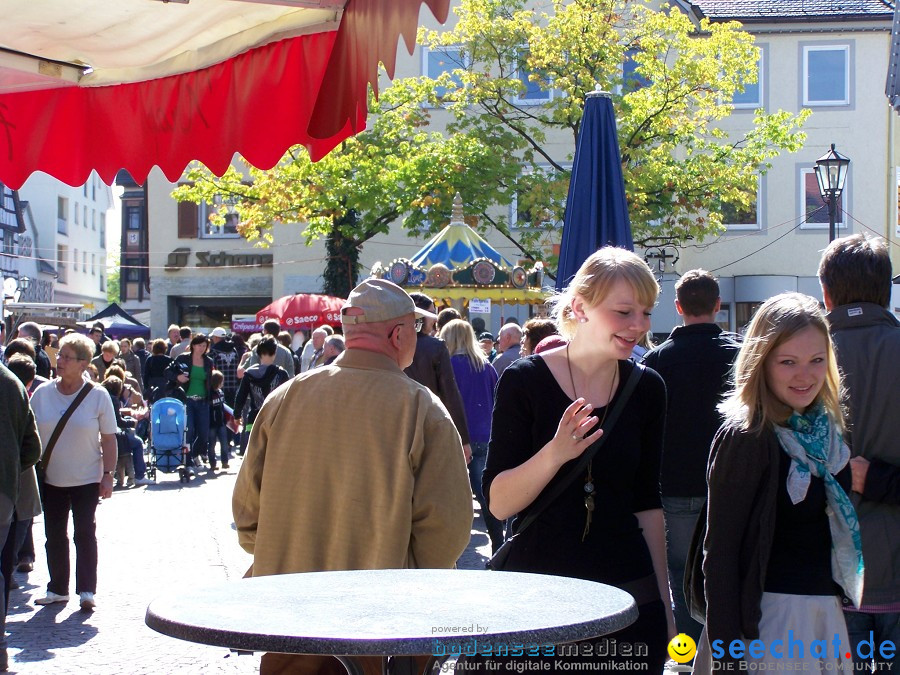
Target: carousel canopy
{"points": [[458, 264], [457, 246]]}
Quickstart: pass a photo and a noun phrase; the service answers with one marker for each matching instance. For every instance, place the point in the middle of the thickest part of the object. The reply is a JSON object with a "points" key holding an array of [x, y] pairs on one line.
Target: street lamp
{"points": [[831, 172]]}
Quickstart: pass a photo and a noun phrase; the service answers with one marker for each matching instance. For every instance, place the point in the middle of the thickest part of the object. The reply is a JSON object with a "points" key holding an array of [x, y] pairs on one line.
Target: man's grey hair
{"points": [[336, 342], [30, 329]]}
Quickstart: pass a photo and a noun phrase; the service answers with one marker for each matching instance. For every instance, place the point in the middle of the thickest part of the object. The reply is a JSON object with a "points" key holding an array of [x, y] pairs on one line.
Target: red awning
{"points": [[308, 89]]}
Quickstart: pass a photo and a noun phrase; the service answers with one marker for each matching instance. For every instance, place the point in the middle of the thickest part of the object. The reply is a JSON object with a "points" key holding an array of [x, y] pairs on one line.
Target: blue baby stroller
{"points": [[168, 452]]}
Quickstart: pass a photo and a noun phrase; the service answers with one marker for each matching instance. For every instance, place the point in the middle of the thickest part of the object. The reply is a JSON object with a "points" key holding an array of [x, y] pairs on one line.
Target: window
{"points": [[93, 219], [10, 240], [132, 217], [631, 78], [225, 206], [84, 261], [62, 265], [133, 270], [744, 312], [85, 221], [62, 215], [443, 60], [93, 263], [752, 96], [75, 213], [535, 90], [94, 188], [813, 207], [723, 316], [85, 188], [826, 75], [103, 230], [102, 284], [735, 217]]}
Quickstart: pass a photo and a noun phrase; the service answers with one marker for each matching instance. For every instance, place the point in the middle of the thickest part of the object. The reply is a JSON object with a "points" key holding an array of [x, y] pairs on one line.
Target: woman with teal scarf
{"points": [[782, 545]]}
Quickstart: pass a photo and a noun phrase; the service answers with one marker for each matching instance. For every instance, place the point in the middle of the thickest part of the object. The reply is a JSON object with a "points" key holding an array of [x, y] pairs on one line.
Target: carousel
{"points": [[457, 265]]}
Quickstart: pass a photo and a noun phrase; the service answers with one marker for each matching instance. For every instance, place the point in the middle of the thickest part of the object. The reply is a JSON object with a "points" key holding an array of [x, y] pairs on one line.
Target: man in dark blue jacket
{"points": [[695, 362]]}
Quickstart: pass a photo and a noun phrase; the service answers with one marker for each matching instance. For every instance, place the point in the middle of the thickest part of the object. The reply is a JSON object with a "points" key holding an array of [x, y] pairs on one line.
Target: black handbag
{"points": [[499, 560]]}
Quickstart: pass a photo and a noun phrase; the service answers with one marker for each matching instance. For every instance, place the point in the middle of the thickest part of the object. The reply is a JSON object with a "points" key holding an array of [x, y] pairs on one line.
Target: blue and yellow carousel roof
{"points": [[457, 246], [458, 264]]}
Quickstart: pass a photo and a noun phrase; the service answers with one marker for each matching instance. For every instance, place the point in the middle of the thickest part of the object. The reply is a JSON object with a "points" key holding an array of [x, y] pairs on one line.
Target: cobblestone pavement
{"points": [[152, 541]]}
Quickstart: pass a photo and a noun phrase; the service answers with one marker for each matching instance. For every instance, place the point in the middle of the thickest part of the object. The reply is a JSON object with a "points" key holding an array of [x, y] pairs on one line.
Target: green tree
{"points": [[398, 169], [113, 277], [681, 168], [679, 164]]}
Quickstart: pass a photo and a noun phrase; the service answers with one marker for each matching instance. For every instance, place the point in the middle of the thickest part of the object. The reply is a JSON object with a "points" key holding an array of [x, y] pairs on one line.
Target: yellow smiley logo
{"points": [[682, 648]]}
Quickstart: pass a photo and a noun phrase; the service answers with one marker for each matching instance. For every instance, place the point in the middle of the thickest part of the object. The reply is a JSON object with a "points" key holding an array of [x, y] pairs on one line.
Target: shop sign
{"points": [[180, 258], [245, 326]]}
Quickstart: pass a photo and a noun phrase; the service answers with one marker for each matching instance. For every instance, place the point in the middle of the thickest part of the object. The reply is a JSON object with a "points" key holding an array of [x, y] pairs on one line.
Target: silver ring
{"points": [[576, 437]]}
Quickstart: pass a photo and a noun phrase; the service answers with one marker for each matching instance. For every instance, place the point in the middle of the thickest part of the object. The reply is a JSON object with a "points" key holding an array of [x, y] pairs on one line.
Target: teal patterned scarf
{"points": [[816, 448]]}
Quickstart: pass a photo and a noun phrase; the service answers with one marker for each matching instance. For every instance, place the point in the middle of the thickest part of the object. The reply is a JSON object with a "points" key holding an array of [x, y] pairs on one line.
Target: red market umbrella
{"points": [[303, 310], [132, 84]]}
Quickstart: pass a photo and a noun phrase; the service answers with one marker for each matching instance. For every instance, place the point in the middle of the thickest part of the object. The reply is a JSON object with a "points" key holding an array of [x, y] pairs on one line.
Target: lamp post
{"points": [[831, 172]]}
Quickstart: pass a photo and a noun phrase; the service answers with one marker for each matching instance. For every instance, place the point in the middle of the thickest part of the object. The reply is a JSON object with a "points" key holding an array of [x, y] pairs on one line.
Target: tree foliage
{"points": [[113, 277], [468, 131], [397, 169], [679, 164]]}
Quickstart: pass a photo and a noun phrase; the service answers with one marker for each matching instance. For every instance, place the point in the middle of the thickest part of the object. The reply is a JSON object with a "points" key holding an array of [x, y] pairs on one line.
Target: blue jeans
{"points": [[198, 429], [476, 468], [680, 514], [137, 454], [874, 629], [220, 434]]}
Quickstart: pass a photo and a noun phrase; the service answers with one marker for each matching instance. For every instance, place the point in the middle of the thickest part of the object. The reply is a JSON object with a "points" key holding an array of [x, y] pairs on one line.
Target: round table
{"points": [[393, 612]]}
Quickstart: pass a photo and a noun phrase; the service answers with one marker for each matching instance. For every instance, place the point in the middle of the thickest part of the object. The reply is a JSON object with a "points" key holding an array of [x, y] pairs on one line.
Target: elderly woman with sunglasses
{"points": [[76, 470]]}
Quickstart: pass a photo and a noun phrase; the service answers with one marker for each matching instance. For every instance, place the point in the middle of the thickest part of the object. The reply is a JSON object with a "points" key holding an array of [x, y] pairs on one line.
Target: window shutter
{"points": [[188, 215]]}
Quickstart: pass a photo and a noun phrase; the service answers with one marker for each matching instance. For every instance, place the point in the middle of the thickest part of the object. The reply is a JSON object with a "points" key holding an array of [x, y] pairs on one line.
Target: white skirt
{"points": [[808, 631]]}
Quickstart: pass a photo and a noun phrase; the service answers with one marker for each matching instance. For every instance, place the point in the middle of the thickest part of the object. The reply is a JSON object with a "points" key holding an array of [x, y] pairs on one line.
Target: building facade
{"points": [[24, 275], [71, 222], [134, 275], [832, 58]]}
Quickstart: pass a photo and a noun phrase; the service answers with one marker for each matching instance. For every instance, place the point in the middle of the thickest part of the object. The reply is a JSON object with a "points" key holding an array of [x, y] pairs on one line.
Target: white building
{"points": [[72, 224], [831, 57], [24, 276]]}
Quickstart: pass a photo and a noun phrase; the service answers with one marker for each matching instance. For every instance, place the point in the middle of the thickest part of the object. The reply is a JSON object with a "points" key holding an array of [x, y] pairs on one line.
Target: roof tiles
{"points": [[769, 10]]}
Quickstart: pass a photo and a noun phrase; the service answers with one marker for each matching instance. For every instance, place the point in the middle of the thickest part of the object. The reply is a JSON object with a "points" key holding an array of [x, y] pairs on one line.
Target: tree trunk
{"points": [[342, 265]]}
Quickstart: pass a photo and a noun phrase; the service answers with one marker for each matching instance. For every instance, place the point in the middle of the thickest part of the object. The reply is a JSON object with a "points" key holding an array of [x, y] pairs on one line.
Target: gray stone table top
{"points": [[392, 612]]}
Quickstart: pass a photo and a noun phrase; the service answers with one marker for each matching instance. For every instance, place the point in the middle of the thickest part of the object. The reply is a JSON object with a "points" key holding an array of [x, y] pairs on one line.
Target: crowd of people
{"points": [[739, 487]]}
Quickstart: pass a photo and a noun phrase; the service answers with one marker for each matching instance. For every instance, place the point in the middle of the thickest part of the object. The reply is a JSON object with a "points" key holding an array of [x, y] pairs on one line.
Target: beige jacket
{"points": [[353, 466]]}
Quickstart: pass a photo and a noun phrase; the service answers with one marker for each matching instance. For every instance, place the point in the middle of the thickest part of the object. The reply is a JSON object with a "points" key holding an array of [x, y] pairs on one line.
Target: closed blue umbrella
{"points": [[596, 210]]}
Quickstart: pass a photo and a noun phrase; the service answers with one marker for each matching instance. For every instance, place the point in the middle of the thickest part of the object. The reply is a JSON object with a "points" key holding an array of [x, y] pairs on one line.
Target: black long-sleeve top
{"points": [[527, 411]]}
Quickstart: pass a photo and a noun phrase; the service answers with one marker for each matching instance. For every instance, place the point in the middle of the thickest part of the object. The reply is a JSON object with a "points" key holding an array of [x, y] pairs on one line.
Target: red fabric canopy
{"points": [[303, 310], [308, 90]]}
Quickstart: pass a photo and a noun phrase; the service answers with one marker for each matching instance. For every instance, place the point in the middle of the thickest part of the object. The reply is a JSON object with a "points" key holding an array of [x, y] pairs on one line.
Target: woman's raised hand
{"points": [[573, 435]]}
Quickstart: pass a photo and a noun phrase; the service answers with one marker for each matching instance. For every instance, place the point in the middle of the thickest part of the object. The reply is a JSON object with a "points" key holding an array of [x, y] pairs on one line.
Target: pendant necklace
{"points": [[589, 489]]}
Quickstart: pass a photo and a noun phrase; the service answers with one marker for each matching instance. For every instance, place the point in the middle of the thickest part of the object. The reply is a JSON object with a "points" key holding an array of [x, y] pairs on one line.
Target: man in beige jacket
{"points": [[354, 465]]}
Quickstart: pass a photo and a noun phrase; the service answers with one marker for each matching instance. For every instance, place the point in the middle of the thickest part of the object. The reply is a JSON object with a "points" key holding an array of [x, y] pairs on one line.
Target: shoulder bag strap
{"points": [[85, 390], [588, 454]]}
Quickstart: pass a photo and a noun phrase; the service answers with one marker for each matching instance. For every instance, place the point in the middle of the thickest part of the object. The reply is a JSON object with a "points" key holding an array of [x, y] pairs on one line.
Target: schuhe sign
{"points": [[180, 258]]}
